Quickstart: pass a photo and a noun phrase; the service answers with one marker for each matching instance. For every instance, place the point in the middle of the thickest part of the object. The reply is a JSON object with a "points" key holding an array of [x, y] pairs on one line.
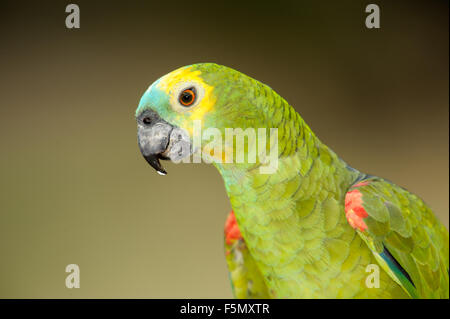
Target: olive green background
{"points": [[73, 185]]}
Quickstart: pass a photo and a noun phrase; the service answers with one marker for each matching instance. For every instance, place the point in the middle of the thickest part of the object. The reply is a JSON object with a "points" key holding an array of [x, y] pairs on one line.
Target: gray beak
{"points": [[159, 140]]}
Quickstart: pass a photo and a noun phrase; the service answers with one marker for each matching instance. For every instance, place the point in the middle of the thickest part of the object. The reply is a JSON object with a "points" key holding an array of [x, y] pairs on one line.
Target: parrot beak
{"points": [[154, 162], [159, 140]]}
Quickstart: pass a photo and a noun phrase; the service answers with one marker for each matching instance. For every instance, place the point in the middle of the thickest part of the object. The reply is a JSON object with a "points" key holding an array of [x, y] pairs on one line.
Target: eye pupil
{"points": [[146, 120], [187, 97]]}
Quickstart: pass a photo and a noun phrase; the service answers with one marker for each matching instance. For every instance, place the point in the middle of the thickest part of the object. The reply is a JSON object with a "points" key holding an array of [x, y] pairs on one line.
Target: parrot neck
{"points": [[279, 213], [303, 161], [312, 172]]}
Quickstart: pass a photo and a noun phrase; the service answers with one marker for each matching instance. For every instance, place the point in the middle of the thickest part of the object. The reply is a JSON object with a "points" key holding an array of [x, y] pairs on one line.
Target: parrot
{"points": [[315, 227]]}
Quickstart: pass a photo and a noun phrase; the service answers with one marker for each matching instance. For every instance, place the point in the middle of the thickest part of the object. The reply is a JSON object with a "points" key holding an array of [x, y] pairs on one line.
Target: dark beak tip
{"points": [[153, 160], [162, 172]]}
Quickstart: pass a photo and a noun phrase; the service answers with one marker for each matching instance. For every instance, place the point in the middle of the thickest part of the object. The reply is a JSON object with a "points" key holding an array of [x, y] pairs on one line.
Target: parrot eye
{"points": [[147, 120], [187, 97]]}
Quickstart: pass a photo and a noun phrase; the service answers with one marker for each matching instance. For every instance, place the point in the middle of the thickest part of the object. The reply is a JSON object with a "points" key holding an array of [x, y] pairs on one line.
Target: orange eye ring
{"points": [[187, 97]]}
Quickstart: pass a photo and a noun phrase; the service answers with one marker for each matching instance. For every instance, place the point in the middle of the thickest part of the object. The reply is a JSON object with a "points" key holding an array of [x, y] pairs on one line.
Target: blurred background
{"points": [[74, 187]]}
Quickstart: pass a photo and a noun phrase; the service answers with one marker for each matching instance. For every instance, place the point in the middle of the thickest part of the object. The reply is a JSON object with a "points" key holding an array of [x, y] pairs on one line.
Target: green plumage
{"points": [[296, 240], [400, 222]]}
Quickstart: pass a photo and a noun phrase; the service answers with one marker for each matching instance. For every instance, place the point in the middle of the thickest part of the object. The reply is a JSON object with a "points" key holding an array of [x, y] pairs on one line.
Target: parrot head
{"points": [[213, 95]]}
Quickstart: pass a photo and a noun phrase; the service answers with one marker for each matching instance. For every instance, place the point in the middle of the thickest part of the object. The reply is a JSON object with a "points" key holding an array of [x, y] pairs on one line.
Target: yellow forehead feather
{"points": [[187, 74]]}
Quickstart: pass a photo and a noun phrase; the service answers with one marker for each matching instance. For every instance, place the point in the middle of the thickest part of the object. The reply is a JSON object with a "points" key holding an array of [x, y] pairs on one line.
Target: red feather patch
{"points": [[232, 231], [354, 210]]}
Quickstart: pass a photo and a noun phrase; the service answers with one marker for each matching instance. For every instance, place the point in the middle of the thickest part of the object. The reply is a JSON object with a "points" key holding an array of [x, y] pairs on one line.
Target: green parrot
{"points": [[314, 227]]}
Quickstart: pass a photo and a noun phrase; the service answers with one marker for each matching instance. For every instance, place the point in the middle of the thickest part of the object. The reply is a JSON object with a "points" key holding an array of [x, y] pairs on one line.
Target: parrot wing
{"points": [[408, 241], [246, 279]]}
